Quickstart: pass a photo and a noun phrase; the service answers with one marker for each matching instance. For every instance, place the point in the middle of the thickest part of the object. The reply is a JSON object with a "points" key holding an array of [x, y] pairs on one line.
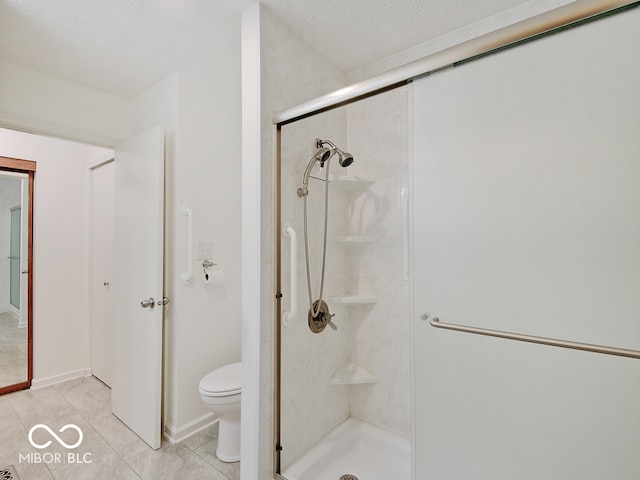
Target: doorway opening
{"points": [[16, 280]]}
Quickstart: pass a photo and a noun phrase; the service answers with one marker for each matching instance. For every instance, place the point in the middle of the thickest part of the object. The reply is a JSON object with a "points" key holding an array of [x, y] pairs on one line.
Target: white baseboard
{"points": [[177, 435], [63, 377]]}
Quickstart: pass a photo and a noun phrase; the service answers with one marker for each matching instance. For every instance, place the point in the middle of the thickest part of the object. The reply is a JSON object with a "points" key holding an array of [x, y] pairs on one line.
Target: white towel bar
{"points": [[621, 352]]}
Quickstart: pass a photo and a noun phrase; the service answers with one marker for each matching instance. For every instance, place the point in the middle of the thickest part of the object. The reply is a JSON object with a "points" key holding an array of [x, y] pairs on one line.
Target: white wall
{"points": [[199, 108], [38, 103], [205, 330], [255, 428], [289, 71], [60, 252]]}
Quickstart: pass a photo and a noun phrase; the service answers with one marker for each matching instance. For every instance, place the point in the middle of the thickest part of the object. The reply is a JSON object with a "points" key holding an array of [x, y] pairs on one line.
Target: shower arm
{"points": [[321, 143]]}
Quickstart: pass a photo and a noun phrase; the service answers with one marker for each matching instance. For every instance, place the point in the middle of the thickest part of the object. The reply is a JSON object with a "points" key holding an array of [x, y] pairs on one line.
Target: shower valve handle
{"points": [[319, 319]]}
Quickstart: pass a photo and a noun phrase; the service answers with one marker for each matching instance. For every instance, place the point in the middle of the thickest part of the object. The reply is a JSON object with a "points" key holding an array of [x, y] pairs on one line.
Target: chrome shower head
{"points": [[323, 155], [345, 159]]}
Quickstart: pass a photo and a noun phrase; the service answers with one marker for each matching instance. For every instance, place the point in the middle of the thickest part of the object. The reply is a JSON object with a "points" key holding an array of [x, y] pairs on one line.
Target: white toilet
{"points": [[220, 390]]}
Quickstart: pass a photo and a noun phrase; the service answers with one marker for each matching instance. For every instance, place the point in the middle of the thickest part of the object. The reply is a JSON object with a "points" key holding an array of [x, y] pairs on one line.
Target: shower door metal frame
{"points": [[277, 370], [568, 15], [550, 22]]}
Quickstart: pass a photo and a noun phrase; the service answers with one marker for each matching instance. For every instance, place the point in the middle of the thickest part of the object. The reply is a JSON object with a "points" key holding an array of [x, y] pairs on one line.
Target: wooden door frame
{"points": [[28, 167]]}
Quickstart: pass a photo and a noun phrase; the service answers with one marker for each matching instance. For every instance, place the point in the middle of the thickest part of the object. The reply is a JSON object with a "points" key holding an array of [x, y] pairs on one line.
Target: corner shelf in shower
{"points": [[352, 374], [347, 183], [353, 300], [352, 240]]}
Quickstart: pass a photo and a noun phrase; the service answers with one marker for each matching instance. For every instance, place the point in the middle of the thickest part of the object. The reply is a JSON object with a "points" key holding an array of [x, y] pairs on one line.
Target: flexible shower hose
{"points": [[324, 245]]}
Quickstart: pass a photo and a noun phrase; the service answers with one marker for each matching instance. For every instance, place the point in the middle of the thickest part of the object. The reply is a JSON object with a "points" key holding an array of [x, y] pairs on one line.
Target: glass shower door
{"points": [[526, 219]]}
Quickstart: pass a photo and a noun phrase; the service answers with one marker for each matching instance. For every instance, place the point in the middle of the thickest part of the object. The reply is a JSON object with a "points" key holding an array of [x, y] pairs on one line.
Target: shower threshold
{"points": [[356, 449]]}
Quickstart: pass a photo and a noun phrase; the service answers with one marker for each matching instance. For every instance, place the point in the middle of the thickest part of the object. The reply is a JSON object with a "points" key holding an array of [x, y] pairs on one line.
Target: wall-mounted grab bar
{"points": [[621, 352], [188, 275], [289, 232]]}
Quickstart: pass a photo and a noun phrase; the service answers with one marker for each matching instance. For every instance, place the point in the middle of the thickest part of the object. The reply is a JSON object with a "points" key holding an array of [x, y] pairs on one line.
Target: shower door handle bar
{"points": [[188, 275], [289, 232], [621, 352]]}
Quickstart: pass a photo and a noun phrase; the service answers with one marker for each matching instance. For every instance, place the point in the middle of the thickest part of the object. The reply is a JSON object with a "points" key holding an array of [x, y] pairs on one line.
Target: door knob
{"points": [[164, 301], [148, 303]]}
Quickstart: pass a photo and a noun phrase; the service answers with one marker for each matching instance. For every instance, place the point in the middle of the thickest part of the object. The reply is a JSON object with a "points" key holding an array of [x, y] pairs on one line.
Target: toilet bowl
{"points": [[220, 390]]}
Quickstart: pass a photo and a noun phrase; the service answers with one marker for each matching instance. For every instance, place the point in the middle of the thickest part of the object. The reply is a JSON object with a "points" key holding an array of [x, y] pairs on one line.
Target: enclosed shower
{"points": [[477, 265], [349, 382]]}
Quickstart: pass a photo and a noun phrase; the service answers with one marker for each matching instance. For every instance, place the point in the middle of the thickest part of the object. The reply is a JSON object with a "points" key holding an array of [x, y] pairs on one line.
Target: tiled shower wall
{"points": [[291, 72], [376, 336], [311, 407], [372, 336], [378, 138]]}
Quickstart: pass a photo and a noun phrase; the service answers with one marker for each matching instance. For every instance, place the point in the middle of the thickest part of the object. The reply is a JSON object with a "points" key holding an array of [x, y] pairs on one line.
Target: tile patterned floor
{"points": [[110, 449]]}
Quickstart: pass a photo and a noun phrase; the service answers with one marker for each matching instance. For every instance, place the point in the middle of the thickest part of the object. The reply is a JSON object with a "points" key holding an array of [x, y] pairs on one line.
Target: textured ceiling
{"points": [[123, 47]]}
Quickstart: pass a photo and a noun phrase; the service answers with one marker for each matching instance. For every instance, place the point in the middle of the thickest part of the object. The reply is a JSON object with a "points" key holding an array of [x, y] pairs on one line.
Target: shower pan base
{"points": [[358, 449]]}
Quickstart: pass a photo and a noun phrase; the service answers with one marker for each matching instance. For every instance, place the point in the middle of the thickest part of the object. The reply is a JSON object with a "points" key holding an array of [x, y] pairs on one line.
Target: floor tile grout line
{"points": [[86, 414], [82, 415], [100, 434], [121, 457]]}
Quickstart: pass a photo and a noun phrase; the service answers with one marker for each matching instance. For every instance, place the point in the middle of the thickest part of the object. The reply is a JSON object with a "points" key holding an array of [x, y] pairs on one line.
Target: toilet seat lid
{"points": [[223, 381]]}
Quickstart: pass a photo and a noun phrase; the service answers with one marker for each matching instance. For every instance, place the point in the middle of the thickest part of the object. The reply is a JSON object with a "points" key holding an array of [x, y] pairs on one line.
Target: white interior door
{"points": [[138, 280], [102, 268]]}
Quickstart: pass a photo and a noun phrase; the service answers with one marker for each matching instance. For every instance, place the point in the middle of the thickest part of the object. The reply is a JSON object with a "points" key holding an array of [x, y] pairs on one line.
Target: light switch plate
{"points": [[205, 250]]}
